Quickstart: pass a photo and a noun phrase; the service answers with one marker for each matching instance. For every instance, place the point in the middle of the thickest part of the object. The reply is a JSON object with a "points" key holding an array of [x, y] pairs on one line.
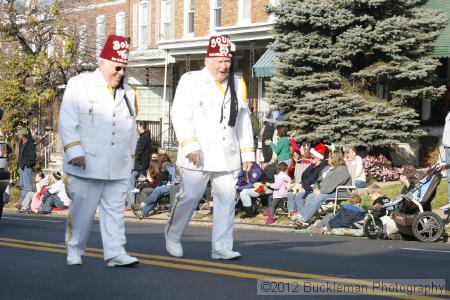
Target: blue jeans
{"points": [[132, 196], [158, 193], [295, 201], [25, 181], [313, 203], [49, 202], [447, 161], [360, 184]]}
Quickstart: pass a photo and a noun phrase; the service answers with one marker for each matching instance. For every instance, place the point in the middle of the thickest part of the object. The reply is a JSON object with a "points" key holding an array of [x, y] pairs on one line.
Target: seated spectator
{"points": [[330, 178], [344, 217], [245, 188], [163, 158], [146, 183], [282, 147], [41, 189], [379, 200], [166, 176], [355, 167], [55, 196], [409, 175], [308, 179], [376, 195], [279, 188]]}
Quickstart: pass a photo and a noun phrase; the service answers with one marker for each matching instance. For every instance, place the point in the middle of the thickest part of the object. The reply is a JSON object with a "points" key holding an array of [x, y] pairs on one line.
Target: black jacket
{"points": [[267, 134], [311, 174], [27, 154], [144, 148]]}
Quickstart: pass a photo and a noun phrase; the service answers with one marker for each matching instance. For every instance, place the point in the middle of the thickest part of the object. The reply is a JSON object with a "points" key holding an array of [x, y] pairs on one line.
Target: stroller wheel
{"points": [[427, 227], [373, 228]]}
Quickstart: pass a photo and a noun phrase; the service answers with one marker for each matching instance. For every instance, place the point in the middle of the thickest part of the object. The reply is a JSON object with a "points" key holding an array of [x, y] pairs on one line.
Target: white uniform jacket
{"points": [[196, 116], [97, 127]]}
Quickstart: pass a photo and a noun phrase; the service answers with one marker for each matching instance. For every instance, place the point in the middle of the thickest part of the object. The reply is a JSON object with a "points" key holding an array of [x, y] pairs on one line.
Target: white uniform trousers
{"points": [[88, 194], [193, 185]]}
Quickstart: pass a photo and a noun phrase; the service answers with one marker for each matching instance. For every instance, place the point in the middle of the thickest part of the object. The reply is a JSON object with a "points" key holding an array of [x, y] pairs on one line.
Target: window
{"points": [[190, 16], [100, 33], [82, 40], [144, 32], [218, 13], [166, 17], [51, 47], [244, 11], [120, 24], [65, 38], [134, 33]]}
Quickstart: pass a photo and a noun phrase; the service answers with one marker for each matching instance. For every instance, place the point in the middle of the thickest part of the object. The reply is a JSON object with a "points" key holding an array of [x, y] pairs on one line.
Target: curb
{"points": [[193, 222], [162, 220]]}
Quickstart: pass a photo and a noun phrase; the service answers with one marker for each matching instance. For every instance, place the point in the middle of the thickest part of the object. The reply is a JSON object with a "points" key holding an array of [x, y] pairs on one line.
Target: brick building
{"points": [[170, 37]]}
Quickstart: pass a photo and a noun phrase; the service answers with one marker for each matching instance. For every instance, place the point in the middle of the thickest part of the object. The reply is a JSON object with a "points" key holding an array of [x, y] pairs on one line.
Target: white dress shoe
{"points": [[123, 260], [174, 248], [225, 254], [74, 260]]}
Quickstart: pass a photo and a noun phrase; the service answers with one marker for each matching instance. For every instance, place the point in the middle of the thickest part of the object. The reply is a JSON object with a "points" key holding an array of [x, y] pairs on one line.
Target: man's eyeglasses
{"points": [[118, 69]]}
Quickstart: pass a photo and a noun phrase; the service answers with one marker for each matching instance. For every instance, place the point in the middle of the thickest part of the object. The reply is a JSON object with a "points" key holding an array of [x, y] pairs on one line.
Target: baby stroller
{"points": [[411, 212]]}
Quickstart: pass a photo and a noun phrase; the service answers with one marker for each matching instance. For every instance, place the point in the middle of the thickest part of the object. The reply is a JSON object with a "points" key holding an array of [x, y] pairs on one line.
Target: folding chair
{"points": [[338, 197]]}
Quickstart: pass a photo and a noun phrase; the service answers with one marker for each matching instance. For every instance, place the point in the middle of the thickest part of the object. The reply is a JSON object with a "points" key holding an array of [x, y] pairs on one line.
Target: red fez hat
{"points": [[116, 49], [220, 46]]}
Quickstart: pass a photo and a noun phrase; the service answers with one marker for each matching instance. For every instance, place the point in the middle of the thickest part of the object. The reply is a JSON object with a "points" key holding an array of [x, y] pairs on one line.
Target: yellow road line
{"points": [[94, 252]]}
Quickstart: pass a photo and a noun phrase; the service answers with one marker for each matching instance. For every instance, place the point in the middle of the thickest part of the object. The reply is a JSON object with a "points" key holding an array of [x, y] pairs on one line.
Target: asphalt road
{"points": [[32, 264]]}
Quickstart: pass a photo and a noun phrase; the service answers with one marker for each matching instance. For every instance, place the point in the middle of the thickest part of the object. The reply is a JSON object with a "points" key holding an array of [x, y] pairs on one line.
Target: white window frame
{"points": [[166, 20], [120, 24], [189, 18], [135, 30], [144, 9], [100, 33], [51, 47], [217, 12], [82, 40], [64, 41], [244, 11]]}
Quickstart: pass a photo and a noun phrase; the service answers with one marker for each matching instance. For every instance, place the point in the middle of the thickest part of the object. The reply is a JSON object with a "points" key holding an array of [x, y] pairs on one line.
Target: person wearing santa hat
{"points": [[308, 179], [98, 132], [332, 176], [212, 122]]}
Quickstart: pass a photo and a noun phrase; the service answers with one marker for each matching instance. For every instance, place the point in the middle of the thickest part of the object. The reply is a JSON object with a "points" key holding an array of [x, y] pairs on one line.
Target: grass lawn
{"points": [[393, 190]]}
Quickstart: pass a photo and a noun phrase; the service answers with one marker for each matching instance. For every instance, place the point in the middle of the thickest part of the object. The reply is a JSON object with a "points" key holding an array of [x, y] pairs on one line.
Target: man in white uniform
{"points": [[212, 124], [98, 131]]}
